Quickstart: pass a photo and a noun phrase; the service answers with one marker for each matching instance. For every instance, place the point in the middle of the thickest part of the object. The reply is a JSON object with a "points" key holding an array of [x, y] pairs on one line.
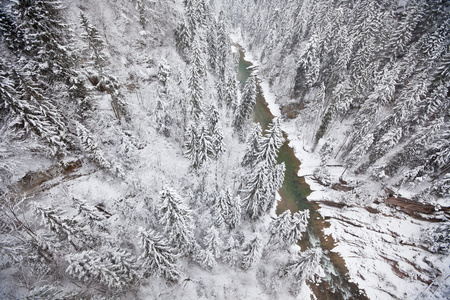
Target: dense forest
{"points": [[131, 167]]}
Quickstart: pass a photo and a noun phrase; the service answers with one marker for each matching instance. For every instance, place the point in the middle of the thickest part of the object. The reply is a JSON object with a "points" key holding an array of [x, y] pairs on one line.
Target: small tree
{"points": [[176, 219], [252, 253], [116, 268], [245, 108], [305, 266], [253, 147], [159, 258], [213, 242], [230, 253], [95, 44]]}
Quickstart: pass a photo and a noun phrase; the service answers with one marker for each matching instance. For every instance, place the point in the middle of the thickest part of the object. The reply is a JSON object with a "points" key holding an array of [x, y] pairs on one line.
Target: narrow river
{"points": [[293, 194]]}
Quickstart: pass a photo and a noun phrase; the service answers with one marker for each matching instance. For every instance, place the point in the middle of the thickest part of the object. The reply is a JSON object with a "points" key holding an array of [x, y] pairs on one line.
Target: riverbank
{"points": [[373, 240]]}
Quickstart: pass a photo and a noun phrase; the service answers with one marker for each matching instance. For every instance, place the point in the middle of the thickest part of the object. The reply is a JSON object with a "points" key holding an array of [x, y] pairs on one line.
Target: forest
{"points": [[133, 165]]}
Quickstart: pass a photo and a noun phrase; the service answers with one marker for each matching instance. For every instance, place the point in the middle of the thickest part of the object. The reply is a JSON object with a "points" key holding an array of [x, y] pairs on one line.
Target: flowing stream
{"points": [[293, 194]]}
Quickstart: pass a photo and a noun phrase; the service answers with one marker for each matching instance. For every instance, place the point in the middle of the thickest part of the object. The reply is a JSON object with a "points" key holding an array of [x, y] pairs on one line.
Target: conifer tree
{"points": [[29, 111], [45, 38], [280, 230], [213, 242], [227, 209], [305, 266], [253, 147], [159, 258], [231, 93], [256, 192], [176, 219], [96, 45], [113, 267], [195, 82], [183, 38], [271, 143], [245, 108], [252, 253], [230, 254], [89, 145]]}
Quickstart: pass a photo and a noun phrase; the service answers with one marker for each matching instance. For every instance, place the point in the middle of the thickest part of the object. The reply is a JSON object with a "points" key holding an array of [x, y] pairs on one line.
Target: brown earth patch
{"points": [[420, 211], [292, 110]]}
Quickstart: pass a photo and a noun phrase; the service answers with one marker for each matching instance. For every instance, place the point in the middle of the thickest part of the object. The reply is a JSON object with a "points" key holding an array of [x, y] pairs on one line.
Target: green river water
{"points": [[293, 196]]}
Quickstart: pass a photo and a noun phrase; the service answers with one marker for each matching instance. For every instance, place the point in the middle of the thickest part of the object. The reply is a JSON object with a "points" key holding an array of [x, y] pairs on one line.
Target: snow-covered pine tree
{"points": [[45, 38], [231, 253], [95, 44], [176, 219], [299, 225], [271, 143], [199, 147], [304, 266], [10, 34], [231, 97], [223, 47], [234, 216], [217, 142], [64, 227], [115, 268], [204, 258], [90, 146], [213, 242], [28, 110], [227, 209], [183, 38], [280, 230], [196, 81], [164, 72], [251, 154], [142, 9], [163, 119], [256, 193], [244, 110], [252, 253], [159, 257], [192, 15], [211, 39], [90, 214]]}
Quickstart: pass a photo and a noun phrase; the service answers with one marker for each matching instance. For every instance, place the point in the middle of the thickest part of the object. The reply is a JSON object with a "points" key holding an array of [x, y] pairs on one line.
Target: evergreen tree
{"points": [[245, 108], [183, 38], [271, 143], [158, 256], [176, 219], [89, 145], [142, 8], [253, 147], [213, 242], [45, 38], [256, 193], [113, 267], [211, 39], [28, 110], [96, 46], [227, 209], [252, 253], [217, 142], [199, 147], [10, 34], [231, 93], [63, 227], [280, 229], [195, 82], [299, 224], [230, 254], [204, 258], [305, 266]]}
